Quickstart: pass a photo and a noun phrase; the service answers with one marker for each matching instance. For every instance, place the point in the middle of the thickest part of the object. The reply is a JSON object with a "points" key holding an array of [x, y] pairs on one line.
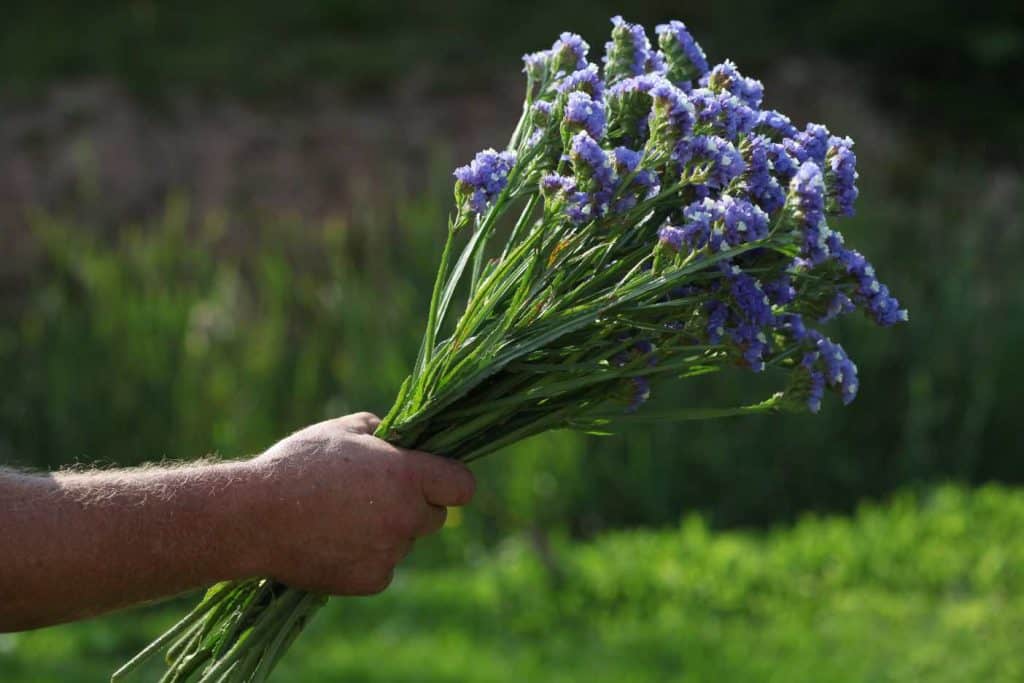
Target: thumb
{"points": [[444, 481]]}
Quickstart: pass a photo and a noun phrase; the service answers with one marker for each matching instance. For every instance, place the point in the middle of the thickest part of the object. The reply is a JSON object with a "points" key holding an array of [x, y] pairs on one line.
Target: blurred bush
{"points": [[932, 59], [169, 341], [926, 587]]}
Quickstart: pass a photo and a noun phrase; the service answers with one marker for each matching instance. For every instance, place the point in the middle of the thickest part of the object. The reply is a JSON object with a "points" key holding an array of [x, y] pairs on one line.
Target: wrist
{"points": [[240, 518]]}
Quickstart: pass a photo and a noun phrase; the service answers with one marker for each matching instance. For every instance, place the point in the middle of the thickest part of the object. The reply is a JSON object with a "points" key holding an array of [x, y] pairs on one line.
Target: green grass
{"points": [[922, 588]]}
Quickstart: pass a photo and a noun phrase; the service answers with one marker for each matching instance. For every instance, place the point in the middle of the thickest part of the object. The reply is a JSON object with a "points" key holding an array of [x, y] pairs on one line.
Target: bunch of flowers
{"points": [[661, 224]]}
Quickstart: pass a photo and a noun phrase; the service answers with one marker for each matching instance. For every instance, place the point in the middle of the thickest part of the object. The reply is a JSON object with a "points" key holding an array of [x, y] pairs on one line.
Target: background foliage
{"points": [[886, 596], [167, 342]]}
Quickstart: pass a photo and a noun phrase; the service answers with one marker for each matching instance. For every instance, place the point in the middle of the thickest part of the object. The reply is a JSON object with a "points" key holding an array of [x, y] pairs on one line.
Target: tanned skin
{"points": [[330, 509]]}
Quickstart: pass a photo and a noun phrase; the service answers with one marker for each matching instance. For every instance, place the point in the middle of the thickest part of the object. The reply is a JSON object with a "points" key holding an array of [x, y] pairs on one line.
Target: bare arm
{"points": [[330, 509]]}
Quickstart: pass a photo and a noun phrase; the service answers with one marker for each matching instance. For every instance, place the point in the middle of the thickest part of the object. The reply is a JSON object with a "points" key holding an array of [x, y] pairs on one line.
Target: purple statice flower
{"points": [[581, 207], [656, 64], [629, 106], [647, 181], [639, 348], [480, 181], [807, 202], [837, 306], [719, 156], [841, 176], [684, 59], [540, 113], [645, 349], [590, 162], [742, 221], [840, 372], [535, 64], [563, 193], [672, 237], [810, 144], [751, 317], [584, 113], [748, 296], [817, 375], [717, 314], [553, 184], [815, 391], [626, 160], [569, 53], [884, 307], [595, 179], [761, 183], [643, 185], [698, 222], [639, 393], [587, 80], [671, 119], [542, 118], [725, 77], [781, 290], [775, 123], [871, 294], [635, 84], [722, 113], [628, 53], [783, 165], [791, 325], [814, 382]]}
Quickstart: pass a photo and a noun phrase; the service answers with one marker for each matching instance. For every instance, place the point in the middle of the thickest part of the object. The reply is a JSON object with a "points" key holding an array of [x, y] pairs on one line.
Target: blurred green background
{"points": [[219, 222]]}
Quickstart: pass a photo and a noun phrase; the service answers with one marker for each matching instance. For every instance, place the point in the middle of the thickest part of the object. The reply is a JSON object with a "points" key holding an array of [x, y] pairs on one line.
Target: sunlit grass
{"points": [[922, 588]]}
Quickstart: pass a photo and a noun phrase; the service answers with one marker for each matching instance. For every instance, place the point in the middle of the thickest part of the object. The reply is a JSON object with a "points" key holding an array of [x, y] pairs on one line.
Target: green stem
{"points": [[240, 620], [769, 405], [306, 606], [520, 224], [252, 640], [432, 317], [157, 645], [541, 425]]}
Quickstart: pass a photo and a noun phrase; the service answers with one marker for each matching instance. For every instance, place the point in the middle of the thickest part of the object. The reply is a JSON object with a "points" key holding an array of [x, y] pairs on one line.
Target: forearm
{"points": [[78, 544]]}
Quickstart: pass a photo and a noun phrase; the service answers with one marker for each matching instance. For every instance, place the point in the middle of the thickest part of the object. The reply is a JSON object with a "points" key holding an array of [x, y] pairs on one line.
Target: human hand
{"points": [[343, 507]]}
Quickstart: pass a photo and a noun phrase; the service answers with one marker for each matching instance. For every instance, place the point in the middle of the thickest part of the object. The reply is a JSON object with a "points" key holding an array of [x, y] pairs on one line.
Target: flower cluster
{"points": [[659, 138], [479, 182], [684, 59], [629, 52]]}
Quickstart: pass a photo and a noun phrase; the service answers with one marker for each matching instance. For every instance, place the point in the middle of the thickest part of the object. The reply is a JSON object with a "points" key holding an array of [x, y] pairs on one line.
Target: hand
{"points": [[345, 506]]}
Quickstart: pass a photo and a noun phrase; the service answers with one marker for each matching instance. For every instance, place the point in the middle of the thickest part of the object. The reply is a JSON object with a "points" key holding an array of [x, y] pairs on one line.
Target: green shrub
{"points": [[927, 587]]}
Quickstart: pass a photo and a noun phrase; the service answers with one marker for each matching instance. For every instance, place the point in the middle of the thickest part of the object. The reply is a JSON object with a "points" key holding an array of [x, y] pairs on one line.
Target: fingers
{"points": [[370, 583], [444, 482], [434, 519]]}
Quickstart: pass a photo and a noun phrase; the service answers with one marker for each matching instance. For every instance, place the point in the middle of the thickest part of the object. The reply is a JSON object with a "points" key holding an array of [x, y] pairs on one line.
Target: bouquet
{"points": [[649, 221]]}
